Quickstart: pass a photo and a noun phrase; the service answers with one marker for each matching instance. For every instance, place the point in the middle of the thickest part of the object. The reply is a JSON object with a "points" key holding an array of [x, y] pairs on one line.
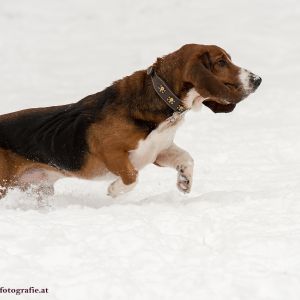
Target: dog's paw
{"points": [[184, 178], [118, 188]]}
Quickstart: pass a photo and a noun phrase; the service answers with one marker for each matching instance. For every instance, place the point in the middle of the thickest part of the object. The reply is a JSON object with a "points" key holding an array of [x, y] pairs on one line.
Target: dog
{"points": [[123, 128]]}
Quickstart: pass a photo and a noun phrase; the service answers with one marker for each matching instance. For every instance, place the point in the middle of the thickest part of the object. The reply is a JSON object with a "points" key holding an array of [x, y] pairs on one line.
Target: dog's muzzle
{"points": [[255, 81]]}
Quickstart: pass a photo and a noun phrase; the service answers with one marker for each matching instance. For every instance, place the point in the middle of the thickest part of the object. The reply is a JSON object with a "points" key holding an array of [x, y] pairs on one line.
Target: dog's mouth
{"points": [[225, 102], [238, 89], [219, 101], [232, 85]]}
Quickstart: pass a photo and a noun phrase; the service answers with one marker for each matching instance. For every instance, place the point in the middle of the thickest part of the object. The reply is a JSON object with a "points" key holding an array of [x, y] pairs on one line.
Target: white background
{"points": [[237, 235]]}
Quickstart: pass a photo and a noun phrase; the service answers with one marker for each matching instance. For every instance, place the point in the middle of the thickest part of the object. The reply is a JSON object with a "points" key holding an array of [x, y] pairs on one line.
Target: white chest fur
{"points": [[162, 137], [159, 139]]}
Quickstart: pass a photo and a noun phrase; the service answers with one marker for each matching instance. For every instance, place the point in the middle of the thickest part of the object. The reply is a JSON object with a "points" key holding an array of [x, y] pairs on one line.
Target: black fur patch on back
{"points": [[54, 135]]}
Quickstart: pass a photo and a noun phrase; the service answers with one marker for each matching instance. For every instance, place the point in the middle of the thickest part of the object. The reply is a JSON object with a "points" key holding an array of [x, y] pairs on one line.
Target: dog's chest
{"points": [[158, 140]]}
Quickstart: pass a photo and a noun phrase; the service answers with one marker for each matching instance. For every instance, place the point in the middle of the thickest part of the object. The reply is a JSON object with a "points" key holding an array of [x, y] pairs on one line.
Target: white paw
{"points": [[118, 188], [184, 178]]}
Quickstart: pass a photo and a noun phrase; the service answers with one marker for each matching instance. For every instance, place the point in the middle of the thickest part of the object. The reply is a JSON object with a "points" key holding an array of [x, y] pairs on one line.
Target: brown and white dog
{"points": [[122, 128]]}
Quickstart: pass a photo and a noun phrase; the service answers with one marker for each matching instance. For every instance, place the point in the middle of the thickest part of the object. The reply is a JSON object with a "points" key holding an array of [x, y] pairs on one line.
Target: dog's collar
{"points": [[165, 93]]}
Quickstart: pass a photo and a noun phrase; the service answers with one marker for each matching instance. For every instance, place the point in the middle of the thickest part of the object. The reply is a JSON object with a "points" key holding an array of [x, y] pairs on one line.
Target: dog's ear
{"points": [[206, 61], [219, 108], [198, 72]]}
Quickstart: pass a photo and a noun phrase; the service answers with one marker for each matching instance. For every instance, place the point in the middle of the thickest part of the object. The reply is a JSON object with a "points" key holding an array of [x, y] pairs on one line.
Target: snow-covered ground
{"points": [[237, 235]]}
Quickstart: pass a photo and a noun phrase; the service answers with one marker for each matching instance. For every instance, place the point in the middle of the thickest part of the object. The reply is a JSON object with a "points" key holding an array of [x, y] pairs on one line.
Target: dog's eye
{"points": [[222, 63]]}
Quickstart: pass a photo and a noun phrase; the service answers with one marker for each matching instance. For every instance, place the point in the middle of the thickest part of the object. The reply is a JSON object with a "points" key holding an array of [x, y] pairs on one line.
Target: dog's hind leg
{"points": [[39, 183], [3, 190], [39, 180], [5, 172]]}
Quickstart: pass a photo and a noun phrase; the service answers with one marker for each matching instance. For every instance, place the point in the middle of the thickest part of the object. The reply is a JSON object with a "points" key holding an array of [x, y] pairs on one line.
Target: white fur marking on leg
{"points": [[185, 178], [118, 188], [179, 159]]}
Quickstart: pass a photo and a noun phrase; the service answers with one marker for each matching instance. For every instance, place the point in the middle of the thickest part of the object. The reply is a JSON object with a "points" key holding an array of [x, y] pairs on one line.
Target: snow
{"points": [[237, 235]]}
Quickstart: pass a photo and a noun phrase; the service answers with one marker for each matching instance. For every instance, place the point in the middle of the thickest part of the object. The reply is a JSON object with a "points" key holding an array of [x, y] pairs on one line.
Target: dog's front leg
{"points": [[118, 163], [177, 158]]}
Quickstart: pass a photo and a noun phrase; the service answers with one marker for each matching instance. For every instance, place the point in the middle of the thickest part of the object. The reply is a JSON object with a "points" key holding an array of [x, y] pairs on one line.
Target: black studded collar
{"points": [[165, 93]]}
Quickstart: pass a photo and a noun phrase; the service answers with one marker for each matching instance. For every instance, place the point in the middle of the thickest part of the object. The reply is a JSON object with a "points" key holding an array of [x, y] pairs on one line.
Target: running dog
{"points": [[123, 128]]}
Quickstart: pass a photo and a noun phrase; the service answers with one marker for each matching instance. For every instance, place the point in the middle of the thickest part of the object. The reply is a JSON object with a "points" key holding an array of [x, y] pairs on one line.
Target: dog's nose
{"points": [[256, 80]]}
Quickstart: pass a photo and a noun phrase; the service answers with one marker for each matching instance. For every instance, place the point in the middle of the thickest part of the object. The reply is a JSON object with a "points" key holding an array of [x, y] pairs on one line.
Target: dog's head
{"points": [[210, 71]]}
